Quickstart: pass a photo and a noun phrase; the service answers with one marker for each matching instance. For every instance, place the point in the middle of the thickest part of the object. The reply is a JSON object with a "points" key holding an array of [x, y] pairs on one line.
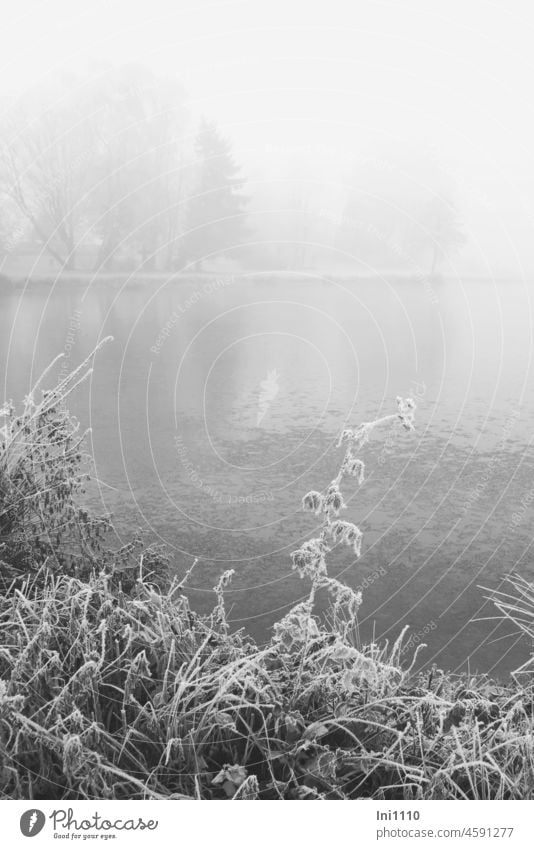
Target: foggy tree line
{"points": [[374, 217], [114, 162]]}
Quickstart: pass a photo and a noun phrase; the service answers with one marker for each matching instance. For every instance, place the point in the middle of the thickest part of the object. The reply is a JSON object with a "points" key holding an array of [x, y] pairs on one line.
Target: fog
{"points": [[402, 101]]}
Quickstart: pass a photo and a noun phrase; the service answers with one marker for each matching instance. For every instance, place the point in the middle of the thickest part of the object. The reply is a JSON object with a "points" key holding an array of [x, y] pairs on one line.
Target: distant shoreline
{"points": [[119, 278]]}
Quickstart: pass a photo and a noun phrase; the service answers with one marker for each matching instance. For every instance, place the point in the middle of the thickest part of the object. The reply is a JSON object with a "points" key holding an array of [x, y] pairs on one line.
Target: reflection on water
{"points": [[218, 405]]}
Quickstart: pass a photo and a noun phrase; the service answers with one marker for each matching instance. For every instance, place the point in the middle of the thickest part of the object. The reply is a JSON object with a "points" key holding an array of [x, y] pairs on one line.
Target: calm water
{"points": [[218, 405]]}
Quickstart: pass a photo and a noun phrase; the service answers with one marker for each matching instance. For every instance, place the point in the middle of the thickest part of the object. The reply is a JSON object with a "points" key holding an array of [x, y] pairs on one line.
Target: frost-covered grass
{"points": [[112, 687]]}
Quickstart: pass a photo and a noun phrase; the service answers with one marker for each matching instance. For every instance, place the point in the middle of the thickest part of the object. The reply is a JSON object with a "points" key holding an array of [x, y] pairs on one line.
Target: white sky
{"points": [[459, 73], [337, 75]]}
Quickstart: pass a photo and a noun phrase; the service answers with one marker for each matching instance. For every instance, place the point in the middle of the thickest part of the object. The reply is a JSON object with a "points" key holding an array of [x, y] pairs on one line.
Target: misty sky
{"points": [[326, 81]]}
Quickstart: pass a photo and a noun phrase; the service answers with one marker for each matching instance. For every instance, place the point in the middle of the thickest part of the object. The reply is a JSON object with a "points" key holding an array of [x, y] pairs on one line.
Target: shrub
{"points": [[41, 459]]}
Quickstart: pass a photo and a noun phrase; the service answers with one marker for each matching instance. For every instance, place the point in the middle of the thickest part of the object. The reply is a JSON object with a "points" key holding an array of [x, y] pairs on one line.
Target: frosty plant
{"points": [[113, 687], [41, 478], [310, 559]]}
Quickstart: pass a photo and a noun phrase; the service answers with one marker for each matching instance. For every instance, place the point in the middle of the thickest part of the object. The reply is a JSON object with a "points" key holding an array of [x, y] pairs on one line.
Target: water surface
{"points": [[218, 405]]}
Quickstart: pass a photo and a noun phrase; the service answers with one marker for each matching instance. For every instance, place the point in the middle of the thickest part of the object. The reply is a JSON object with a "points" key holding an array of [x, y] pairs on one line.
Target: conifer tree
{"points": [[215, 214]]}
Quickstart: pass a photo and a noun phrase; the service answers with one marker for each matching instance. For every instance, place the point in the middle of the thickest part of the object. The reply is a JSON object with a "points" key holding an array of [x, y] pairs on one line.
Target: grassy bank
{"points": [[112, 687]]}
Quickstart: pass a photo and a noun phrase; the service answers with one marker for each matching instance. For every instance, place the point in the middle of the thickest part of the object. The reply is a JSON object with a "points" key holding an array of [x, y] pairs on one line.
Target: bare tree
{"points": [[47, 163], [440, 231], [96, 159], [141, 169]]}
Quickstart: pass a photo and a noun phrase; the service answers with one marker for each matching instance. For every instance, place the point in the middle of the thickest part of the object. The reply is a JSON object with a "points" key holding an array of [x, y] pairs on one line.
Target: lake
{"points": [[218, 405]]}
